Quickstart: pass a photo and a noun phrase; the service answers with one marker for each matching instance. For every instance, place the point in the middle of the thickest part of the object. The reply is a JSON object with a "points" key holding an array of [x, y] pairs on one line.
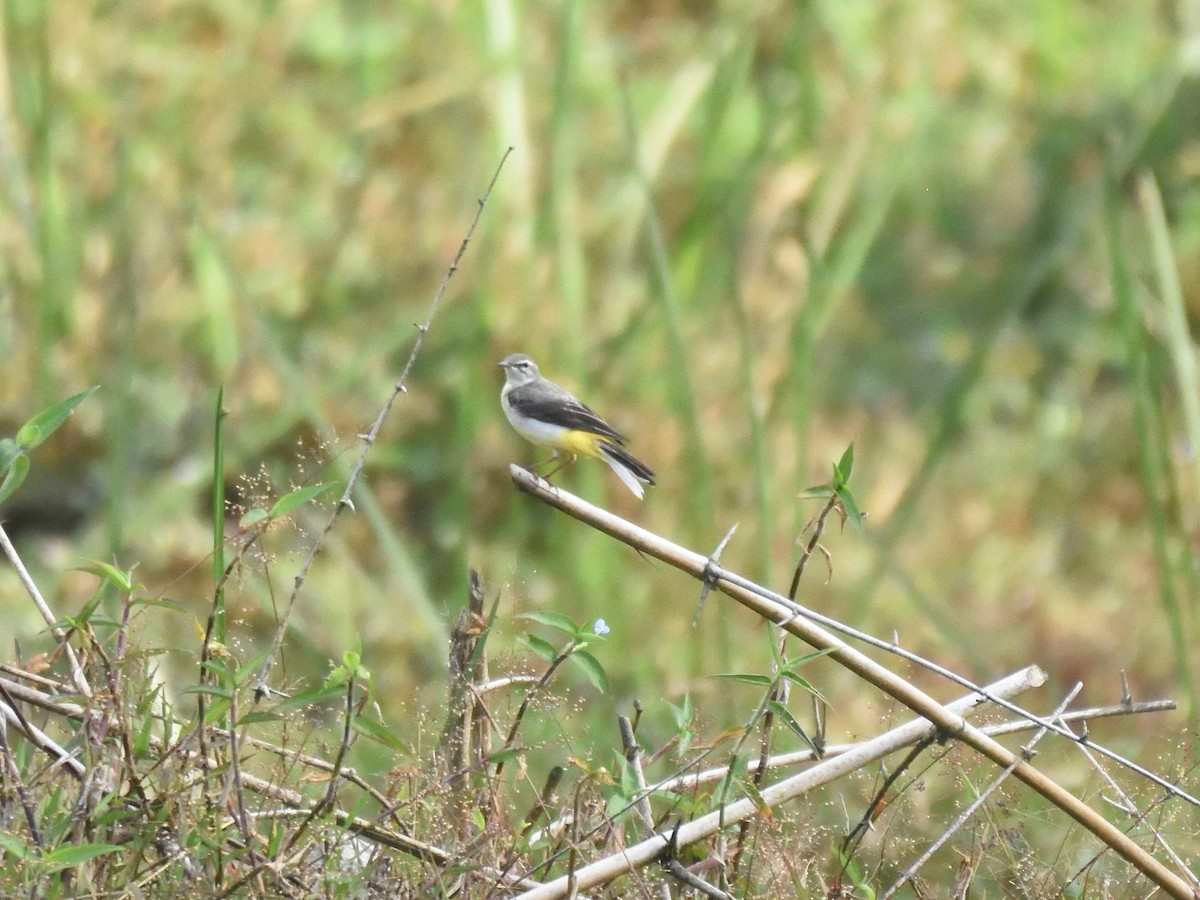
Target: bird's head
{"points": [[519, 369]]}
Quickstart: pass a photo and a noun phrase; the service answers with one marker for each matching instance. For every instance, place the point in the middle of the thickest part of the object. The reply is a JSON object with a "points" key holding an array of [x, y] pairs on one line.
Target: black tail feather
{"points": [[640, 470]]}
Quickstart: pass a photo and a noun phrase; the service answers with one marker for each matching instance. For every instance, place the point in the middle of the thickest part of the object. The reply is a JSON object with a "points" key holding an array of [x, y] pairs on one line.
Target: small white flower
{"points": [[601, 627]]}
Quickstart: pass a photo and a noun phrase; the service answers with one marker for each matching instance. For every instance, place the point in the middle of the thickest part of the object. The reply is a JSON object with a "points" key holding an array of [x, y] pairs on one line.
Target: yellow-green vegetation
{"points": [[962, 236]]}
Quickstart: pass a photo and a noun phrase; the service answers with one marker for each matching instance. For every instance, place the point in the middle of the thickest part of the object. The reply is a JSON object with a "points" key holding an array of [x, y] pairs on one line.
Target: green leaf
{"points": [[846, 464], [248, 668], [73, 855], [122, 581], [851, 506], [745, 678], [539, 646], [377, 732], [592, 669], [141, 737], [97, 621], [799, 661], [29, 436], [47, 421], [616, 803], [738, 765], [505, 755], [89, 608], [14, 476], [683, 713], [10, 843], [296, 499], [253, 517], [162, 603], [803, 683], [627, 783], [219, 668], [208, 689], [307, 698], [554, 620], [217, 711], [755, 797], [785, 715]]}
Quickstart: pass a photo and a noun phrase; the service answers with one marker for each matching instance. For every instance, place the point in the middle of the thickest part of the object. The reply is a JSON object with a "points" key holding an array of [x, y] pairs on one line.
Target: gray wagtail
{"points": [[549, 416]]}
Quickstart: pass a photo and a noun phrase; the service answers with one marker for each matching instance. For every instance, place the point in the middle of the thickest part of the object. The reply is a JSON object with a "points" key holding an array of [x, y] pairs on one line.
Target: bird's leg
{"points": [[565, 461], [544, 462], [533, 469]]}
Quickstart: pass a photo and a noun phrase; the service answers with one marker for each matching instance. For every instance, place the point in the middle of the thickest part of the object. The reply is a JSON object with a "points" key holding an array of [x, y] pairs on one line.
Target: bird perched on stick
{"points": [[550, 416]]}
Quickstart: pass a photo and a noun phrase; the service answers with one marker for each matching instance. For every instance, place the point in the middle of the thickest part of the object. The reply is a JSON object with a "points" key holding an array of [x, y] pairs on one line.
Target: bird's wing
{"points": [[550, 403]]}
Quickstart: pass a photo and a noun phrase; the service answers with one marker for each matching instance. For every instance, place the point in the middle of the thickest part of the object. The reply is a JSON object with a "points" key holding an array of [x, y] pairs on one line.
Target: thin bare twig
{"points": [[542, 681], [965, 816], [277, 864], [641, 805], [1128, 806], [471, 624], [10, 714], [14, 774], [261, 689], [77, 676], [706, 584], [343, 748], [691, 781], [235, 770], [546, 796], [852, 840], [813, 543], [117, 719], [215, 611]]}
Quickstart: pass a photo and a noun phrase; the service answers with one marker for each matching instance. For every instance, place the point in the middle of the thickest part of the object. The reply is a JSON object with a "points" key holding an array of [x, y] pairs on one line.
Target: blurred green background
{"points": [[962, 235]]}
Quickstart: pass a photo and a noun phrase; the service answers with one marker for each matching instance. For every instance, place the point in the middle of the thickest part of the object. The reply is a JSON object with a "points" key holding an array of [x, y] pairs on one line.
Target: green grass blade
{"points": [[1150, 461]]}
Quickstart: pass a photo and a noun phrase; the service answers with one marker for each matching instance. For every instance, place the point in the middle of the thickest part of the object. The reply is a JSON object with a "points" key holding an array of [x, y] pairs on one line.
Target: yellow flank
{"points": [[581, 443]]}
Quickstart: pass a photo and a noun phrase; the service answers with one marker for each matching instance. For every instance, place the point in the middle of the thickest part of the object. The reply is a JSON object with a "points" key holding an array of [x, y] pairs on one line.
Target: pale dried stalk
{"points": [[633, 755], [77, 676], [782, 760], [9, 715], [777, 609], [605, 870]]}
